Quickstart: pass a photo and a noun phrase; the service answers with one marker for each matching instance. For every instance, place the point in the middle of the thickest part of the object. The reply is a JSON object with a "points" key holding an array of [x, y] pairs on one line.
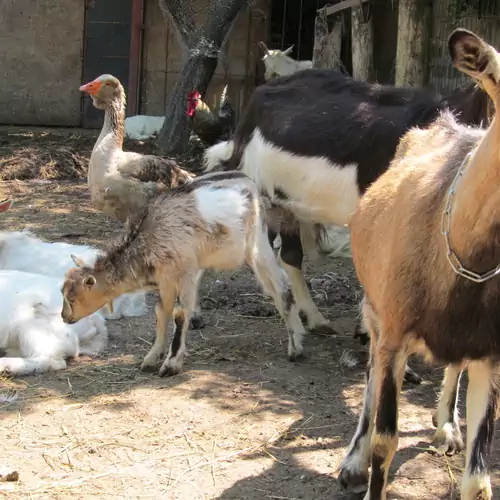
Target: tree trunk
{"points": [[414, 35], [363, 67], [327, 44], [202, 47]]}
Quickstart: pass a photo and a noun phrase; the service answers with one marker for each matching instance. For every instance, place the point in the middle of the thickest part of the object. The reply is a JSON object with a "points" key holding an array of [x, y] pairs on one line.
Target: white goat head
{"points": [[279, 63]]}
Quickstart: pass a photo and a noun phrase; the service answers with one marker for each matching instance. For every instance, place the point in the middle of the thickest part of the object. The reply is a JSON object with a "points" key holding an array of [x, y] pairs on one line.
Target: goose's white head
{"points": [[104, 90]]}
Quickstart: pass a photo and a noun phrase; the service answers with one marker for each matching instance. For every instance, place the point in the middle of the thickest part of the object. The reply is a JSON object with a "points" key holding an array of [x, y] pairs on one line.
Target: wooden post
{"points": [[327, 44], [414, 35], [362, 44]]}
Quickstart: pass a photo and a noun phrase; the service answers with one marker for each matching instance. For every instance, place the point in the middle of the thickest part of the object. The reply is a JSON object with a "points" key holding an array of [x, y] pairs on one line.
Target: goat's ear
{"points": [[89, 281], [6, 204], [472, 55], [288, 51], [78, 262], [262, 46]]}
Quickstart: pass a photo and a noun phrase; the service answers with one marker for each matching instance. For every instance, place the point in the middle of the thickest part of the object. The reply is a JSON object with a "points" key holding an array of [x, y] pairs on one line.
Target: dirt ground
{"points": [[240, 422]]}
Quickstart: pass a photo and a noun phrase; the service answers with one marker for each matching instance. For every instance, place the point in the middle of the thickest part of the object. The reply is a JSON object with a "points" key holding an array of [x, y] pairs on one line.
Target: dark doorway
{"points": [[108, 31]]}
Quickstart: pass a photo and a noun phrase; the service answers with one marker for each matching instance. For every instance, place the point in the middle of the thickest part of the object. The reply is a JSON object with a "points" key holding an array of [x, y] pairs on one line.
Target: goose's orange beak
{"points": [[92, 87]]}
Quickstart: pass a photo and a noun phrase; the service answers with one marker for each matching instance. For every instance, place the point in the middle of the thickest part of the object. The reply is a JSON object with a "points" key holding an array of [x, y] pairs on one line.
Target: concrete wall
{"points": [[163, 59], [40, 59]]}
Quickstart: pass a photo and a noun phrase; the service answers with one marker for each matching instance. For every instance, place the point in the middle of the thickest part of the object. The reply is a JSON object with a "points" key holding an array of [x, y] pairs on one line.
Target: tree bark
{"points": [[414, 35], [363, 67], [327, 44], [202, 47]]}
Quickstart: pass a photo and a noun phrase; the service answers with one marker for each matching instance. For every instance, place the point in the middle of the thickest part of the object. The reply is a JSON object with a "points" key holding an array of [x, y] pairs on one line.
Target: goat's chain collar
{"points": [[454, 261]]}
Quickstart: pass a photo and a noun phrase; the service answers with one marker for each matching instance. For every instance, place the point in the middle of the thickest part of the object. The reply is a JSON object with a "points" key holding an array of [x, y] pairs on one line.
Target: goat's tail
{"points": [[223, 96], [216, 156]]}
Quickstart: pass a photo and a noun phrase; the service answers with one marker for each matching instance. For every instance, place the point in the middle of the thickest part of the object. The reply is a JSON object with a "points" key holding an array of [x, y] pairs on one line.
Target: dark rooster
{"points": [[211, 126]]}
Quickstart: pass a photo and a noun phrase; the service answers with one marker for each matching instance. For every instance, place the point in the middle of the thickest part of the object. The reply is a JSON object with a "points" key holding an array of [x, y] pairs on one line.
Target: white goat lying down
{"points": [[22, 251], [32, 332], [31, 328]]}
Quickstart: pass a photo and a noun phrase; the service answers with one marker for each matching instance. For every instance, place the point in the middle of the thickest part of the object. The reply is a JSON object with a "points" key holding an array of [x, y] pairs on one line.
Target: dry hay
{"points": [[40, 162]]}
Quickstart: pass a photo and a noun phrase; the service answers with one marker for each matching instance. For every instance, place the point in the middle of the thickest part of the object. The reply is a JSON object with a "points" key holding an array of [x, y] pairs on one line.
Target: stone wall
{"points": [[41, 61]]}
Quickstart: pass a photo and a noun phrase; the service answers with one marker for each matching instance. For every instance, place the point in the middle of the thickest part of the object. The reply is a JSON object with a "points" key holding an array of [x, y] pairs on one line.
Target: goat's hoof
{"points": [[447, 440], [169, 371], [412, 378], [353, 479], [477, 488], [324, 329], [4, 368], [296, 355], [148, 367], [196, 323]]}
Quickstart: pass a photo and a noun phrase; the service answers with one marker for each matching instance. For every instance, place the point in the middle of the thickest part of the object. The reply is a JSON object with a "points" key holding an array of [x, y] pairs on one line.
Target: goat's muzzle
{"points": [[67, 313]]}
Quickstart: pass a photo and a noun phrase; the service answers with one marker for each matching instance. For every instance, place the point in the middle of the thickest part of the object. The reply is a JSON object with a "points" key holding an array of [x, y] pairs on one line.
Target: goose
{"points": [[121, 182]]}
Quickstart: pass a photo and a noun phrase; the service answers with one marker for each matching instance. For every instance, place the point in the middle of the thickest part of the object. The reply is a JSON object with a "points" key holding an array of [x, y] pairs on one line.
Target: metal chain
{"points": [[454, 261]]}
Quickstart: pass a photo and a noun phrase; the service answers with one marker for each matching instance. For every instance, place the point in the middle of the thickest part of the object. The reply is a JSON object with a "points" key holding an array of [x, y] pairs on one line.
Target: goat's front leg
{"points": [[291, 257], [32, 365], [448, 438], [188, 290], [482, 402], [196, 322], [390, 362], [354, 467], [164, 308], [353, 473]]}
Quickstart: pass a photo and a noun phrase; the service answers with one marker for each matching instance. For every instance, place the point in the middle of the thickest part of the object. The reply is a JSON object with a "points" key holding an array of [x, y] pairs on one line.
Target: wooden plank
{"points": [[346, 4]]}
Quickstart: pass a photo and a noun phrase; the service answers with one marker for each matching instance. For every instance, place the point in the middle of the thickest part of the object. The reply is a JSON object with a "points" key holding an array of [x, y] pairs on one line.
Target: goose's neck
{"points": [[113, 130]]}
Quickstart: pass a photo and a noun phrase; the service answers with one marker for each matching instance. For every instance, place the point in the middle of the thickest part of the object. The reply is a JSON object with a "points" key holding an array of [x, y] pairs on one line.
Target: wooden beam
{"points": [[414, 35], [363, 68], [327, 44], [345, 4]]}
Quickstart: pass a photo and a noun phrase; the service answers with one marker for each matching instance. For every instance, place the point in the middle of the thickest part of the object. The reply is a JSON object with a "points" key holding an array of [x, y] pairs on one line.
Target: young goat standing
{"points": [[216, 221], [427, 292]]}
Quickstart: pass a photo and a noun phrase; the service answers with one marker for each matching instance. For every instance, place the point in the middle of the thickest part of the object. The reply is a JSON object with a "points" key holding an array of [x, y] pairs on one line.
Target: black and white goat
{"points": [[313, 142]]}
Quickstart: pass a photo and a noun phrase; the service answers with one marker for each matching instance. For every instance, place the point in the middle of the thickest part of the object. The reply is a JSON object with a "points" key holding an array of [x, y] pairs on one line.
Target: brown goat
{"points": [[425, 245], [216, 221]]}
